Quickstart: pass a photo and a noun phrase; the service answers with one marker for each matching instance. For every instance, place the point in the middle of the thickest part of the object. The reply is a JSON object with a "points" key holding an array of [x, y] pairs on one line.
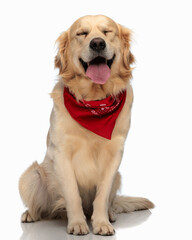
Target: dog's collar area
{"points": [[97, 60], [98, 117]]}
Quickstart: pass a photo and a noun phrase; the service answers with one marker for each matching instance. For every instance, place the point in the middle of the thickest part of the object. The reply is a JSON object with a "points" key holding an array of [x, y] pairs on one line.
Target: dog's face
{"points": [[94, 46], [96, 50]]}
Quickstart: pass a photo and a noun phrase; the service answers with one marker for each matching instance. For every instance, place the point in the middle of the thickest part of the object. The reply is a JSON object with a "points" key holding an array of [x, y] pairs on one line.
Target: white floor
{"points": [[156, 224], [171, 219], [48, 230]]}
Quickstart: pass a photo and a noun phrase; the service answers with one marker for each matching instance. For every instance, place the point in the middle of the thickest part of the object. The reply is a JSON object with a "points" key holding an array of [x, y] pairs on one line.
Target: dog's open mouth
{"points": [[98, 70]]}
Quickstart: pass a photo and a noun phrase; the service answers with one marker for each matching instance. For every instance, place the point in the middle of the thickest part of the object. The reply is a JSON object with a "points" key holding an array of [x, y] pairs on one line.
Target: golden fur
{"points": [[79, 175]]}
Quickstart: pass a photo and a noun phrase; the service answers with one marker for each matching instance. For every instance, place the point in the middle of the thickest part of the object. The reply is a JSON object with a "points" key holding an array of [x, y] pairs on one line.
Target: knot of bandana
{"points": [[96, 116]]}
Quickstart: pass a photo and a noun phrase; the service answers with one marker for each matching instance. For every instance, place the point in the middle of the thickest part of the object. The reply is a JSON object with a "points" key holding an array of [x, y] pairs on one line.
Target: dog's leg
{"points": [[69, 189], [33, 191], [100, 217], [112, 197]]}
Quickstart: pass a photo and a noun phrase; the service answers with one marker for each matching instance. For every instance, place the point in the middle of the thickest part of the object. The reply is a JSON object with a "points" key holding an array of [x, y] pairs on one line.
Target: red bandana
{"points": [[97, 116]]}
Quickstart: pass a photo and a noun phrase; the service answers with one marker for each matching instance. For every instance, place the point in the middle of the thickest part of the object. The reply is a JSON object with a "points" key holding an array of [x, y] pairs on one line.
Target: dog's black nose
{"points": [[97, 44]]}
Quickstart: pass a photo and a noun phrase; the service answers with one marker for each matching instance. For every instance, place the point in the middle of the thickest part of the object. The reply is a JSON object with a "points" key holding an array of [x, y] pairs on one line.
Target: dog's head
{"points": [[94, 57]]}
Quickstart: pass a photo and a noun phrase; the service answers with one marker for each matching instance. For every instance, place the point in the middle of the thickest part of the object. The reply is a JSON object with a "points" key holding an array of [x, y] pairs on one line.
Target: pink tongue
{"points": [[99, 73]]}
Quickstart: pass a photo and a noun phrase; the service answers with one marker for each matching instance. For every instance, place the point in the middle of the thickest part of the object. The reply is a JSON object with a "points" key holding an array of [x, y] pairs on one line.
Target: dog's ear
{"points": [[61, 58], [125, 36]]}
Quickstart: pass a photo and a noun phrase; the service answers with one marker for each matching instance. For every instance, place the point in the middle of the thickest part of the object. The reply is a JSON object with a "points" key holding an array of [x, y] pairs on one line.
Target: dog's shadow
{"points": [[56, 229]]}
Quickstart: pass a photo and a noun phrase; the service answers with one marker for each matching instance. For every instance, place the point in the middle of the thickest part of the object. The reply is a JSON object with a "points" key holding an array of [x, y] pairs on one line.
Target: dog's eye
{"points": [[82, 34], [107, 31]]}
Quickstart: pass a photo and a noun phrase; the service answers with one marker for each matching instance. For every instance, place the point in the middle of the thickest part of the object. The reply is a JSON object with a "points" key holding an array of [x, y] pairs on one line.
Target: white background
{"points": [[158, 151]]}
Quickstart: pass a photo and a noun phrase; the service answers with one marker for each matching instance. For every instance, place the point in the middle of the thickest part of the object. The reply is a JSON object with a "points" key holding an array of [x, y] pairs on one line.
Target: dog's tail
{"points": [[123, 204]]}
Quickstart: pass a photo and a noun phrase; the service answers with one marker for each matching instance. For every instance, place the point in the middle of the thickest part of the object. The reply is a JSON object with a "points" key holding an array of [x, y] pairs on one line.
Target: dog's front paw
{"points": [[103, 228], [78, 228]]}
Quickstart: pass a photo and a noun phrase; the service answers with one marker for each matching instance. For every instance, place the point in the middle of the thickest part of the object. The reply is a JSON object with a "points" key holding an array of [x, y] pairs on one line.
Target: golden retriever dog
{"points": [[89, 123]]}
